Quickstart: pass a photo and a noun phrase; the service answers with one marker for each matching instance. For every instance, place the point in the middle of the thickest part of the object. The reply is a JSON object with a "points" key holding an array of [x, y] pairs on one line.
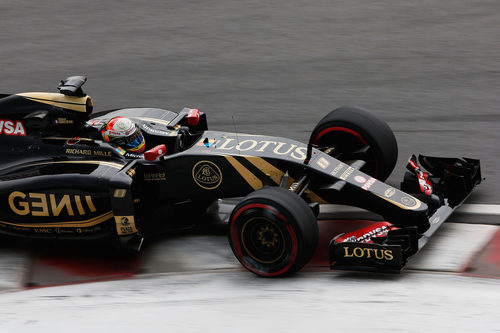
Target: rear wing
{"points": [[443, 184]]}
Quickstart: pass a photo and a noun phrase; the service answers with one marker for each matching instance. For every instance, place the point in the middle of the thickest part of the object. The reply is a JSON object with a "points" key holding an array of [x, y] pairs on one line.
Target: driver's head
{"points": [[124, 133]]}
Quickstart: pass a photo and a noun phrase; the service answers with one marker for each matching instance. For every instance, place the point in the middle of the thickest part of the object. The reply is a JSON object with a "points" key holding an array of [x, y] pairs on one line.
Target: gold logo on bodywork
{"points": [[408, 201], [369, 253], [207, 175], [125, 225], [323, 163], [120, 193], [50, 204], [389, 192]]}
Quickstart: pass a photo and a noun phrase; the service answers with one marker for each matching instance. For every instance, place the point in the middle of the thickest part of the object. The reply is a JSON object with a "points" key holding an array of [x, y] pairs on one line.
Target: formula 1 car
{"points": [[59, 179]]}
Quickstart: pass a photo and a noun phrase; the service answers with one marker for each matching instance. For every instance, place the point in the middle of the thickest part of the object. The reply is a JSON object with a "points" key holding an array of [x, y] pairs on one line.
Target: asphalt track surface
{"points": [[227, 301], [431, 69]]}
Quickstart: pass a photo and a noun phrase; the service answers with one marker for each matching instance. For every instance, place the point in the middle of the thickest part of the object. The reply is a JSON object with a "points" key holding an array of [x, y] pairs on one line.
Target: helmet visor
{"points": [[134, 143]]}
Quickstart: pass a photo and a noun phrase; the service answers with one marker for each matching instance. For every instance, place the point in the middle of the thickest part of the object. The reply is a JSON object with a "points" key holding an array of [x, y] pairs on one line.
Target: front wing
{"points": [[387, 246]]}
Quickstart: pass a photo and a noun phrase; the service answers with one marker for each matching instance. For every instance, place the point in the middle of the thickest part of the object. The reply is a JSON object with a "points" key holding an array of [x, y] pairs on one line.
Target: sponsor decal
{"points": [[368, 253], [368, 184], [125, 225], [72, 141], [154, 176], [101, 153], [150, 129], [15, 227], [337, 169], [62, 231], [120, 150], [131, 172], [50, 226], [206, 142], [120, 193], [59, 231], [435, 219], [50, 204], [9, 127], [360, 179], [95, 122], [323, 163], [408, 201], [43, 230], [207, 175], [88, 152], [88, 230], [346, 173], [389, 192], [115, 133], [423, 177], [367, 237], [133, 155], [63, 121], [275, 147], [74, 151]]}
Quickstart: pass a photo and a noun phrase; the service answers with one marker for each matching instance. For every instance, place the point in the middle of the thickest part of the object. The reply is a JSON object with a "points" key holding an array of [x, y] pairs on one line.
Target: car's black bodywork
{"points": [[58, 178]]}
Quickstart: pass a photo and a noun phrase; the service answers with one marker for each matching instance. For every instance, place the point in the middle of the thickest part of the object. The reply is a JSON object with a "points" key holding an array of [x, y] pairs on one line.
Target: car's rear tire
{"points": [[273, 232], [358, 134]]}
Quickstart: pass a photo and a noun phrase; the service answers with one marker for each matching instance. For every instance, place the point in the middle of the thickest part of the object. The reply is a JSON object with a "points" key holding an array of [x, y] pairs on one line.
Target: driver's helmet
{"points": [[124, 133]]}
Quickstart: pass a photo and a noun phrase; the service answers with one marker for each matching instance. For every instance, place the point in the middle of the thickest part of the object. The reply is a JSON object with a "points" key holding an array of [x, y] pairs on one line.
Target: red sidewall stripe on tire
{"points": [[350, 131], [340, 129], [237, 246]]}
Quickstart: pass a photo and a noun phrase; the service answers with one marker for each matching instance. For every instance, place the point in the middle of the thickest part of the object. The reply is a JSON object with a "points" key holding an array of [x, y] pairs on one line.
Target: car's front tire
{"points": [[273, 232]]}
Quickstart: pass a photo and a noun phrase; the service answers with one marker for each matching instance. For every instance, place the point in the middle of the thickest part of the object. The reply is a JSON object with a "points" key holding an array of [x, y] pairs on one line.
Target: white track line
{"points": [[479, 209], [474, 209]]}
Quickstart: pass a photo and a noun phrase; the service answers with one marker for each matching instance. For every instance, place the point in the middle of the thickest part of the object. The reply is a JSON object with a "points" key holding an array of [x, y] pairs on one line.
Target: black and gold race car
{"points": [[59, 179]]}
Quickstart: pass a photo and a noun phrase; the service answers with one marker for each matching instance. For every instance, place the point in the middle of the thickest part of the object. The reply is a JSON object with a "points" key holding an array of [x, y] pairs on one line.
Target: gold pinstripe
{"points": [[109, 164], [400, 205], [249, 177], [67, 102], [76, 224], [276, 174], [63, 138], [316, 198]]}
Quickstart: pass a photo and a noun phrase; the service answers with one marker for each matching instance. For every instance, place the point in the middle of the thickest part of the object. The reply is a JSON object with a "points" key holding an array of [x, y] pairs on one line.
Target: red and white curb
{"points": [[470, 249]]}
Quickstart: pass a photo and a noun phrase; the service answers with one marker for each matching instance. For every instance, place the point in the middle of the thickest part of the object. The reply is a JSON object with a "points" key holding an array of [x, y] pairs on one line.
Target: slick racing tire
{"points": [[356, 134], [273, 232]]}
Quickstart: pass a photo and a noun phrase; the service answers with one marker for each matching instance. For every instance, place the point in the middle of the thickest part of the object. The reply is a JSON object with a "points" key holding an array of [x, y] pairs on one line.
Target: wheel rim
{"points": [[263, 240]]}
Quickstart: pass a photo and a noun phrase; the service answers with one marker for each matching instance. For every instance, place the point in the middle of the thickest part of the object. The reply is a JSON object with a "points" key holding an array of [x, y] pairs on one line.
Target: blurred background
{"points": [[431, 69]]}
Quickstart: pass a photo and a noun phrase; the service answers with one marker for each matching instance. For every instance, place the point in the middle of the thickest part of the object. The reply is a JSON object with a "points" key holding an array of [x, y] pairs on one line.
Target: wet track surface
{"points": [[225, 301], [192, 283], [431, 69]]}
